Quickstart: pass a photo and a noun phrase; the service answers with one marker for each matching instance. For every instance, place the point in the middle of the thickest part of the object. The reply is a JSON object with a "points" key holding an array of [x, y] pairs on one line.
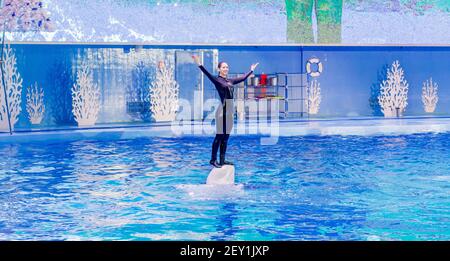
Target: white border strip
{"points": [[225, 45]]}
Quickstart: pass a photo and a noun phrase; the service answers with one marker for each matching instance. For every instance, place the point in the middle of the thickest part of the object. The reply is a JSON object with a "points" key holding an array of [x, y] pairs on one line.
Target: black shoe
{"points": [[224, 162], [215, 163]]}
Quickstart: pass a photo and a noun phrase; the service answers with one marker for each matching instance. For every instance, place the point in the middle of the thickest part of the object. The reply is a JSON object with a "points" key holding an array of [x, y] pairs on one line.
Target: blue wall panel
{"points": [[350, 78]]}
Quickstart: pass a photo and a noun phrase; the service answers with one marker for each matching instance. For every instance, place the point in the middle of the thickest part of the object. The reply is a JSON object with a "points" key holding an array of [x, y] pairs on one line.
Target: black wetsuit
{"points": [[224, 114]]}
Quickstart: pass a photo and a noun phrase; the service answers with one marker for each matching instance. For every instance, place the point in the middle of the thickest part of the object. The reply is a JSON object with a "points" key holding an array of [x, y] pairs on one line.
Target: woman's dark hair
{"points": [[220, 64]]}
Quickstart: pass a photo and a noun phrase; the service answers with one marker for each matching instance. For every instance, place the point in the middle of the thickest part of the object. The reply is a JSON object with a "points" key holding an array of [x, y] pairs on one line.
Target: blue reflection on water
{"points": [[303, 188]]}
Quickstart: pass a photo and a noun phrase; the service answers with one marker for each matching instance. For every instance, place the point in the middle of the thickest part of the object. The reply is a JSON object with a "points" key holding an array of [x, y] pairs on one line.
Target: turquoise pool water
{"points": [[303, 188]]}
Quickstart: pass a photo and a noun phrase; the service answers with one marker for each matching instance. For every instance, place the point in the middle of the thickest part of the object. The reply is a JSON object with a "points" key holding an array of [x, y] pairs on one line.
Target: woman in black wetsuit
{"points": [[225, 113]]}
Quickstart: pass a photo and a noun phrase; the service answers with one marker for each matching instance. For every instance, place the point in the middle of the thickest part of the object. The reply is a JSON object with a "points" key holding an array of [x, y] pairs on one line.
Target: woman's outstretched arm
{"points": [[203, 69], [242, 78]]}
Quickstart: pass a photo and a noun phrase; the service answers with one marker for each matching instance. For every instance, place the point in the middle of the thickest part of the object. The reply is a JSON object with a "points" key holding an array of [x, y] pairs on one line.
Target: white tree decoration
{"points": [[25, 15], [394, 92], [314, 97], [13, 83], [85, 98], [429, 95], [164, 94], [35, 104], [17, 15]]}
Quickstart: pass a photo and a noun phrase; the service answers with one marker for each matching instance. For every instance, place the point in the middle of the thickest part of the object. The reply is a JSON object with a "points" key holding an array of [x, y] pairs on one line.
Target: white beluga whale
{"points": [[221, 176], [219, 185]]}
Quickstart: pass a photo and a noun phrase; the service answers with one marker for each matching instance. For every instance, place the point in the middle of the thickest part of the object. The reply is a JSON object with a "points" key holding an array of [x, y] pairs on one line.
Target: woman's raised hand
{"points": [[196, 60], [253, 67]]}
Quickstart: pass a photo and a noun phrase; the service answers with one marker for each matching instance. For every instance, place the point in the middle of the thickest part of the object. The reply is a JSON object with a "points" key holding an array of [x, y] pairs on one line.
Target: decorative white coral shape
{"points": [[35, 104], [85, 98], [164, 93], [13, 83], [394, 92], [429, 95], [314, 97]]}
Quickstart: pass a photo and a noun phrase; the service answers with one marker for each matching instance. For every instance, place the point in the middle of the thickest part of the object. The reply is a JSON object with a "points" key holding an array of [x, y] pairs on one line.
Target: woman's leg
{"points": [[223, 150], [219, 137], [215, 147], [228, 114]]}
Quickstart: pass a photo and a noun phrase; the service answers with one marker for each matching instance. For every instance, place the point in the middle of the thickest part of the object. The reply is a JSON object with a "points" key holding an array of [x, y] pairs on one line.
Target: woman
{"points": [[224, 114]]}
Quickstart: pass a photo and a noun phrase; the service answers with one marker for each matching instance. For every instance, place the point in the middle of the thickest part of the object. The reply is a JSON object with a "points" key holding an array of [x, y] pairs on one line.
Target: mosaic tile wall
{"points": [[246, 21]]}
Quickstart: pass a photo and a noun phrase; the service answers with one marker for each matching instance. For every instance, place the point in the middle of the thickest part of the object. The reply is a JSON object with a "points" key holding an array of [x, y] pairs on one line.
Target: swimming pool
{"points": [[302, 188]]}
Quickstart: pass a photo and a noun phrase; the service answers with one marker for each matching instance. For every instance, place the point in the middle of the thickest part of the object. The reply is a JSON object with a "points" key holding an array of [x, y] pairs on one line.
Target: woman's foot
{"points": [[215, 163], [224, 162]]}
